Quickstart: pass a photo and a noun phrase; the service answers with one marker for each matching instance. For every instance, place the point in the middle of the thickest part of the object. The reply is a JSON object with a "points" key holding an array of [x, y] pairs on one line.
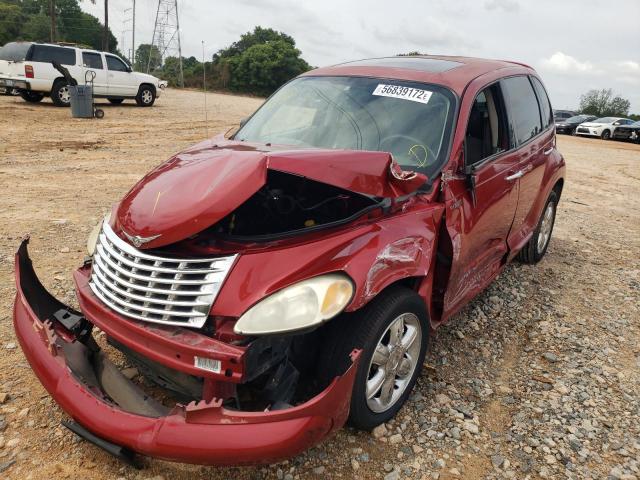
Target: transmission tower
{"points": [[166, 35]]}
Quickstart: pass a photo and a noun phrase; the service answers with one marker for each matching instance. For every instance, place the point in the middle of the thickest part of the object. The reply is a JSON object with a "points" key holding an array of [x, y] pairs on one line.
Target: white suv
{"points": [[26, 67]]}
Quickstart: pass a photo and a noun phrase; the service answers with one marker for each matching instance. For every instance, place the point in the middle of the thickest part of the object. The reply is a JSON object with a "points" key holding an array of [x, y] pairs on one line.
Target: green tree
{"points": [[33, 23], [259, 35], [142, 58], [264, 67], [602, 103], [11, 22]]}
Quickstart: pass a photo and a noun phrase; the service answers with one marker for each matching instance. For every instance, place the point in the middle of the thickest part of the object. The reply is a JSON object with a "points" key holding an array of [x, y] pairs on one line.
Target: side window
{"points": [[115, 64], [92, 60], [48, 54], [487, 128], [545, 104], [524, 114]]}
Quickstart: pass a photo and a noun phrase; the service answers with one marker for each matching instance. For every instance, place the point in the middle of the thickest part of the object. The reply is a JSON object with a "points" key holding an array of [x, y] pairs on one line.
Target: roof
{"points": [[453, 72]]}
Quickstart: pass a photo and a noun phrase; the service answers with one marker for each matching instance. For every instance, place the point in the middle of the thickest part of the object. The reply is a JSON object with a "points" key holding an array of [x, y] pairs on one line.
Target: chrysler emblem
{"points": [[137, 240]]}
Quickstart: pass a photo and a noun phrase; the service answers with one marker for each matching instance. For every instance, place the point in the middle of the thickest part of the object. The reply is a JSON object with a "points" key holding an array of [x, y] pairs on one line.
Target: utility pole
{"points": [[52, 14], [105, 33], [133, 36]]}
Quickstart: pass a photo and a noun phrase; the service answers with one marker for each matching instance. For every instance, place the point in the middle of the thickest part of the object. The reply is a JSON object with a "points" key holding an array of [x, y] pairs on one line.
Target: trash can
{"points": [[81, 97]]}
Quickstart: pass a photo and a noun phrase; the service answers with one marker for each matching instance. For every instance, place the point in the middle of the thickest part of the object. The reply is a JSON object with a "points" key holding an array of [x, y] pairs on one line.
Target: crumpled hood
{"points": [[200, 186]]}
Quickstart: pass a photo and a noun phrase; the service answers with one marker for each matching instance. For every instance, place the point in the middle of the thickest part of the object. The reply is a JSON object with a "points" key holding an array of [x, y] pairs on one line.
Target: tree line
{"points": [[260, 62], [31, 20], [603, 103]]}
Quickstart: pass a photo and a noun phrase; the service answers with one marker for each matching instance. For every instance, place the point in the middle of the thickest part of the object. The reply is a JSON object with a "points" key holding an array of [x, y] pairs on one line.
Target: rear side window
{"points": [[92, 60], [14, 51], [545, 104], [116, 64], [487, 127], [48, 54], [524, 115]]}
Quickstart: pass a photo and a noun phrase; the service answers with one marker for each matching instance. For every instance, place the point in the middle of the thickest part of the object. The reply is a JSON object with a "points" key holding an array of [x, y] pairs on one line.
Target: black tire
{"points": [[60, 94], [364, 329], [573, 132], [98, 113], [146, 96], [531, 253], [32, 97], [116, 101], [605, 135]]}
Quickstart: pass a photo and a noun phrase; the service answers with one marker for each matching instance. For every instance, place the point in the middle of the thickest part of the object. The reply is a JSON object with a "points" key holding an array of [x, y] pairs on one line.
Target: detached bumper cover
{"points": [[203, 433]]}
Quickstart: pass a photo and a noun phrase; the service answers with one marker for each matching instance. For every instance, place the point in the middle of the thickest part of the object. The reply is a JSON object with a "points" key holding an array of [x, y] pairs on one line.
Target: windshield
{"points": [[14, 51], [411, 120], [605, 120], [579, 118]]}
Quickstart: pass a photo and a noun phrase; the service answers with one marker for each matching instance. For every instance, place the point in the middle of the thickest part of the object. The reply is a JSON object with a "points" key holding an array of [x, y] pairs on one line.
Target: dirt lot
{"points": [[538, 378]]}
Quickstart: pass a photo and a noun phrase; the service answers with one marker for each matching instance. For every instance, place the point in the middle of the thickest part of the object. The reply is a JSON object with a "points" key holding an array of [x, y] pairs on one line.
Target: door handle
{"points": [[514, 176], [548, 151]]}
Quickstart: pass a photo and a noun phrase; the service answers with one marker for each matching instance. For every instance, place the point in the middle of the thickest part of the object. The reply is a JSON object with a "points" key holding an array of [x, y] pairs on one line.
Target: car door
{"points": [[92, 62], [530, 120], [121, 82], [481, 203]]}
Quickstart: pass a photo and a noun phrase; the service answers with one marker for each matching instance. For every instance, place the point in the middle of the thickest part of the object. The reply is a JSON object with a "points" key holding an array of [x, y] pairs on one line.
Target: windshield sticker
{"points": [[405, 93]]}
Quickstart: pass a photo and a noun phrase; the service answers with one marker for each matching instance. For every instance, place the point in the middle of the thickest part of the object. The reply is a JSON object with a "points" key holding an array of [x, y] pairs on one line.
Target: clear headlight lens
{"points": [[300, 306], [93, 236]]}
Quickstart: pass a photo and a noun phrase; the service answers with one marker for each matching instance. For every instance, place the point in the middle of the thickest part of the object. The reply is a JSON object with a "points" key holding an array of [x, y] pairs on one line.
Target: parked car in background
{"points": [[26, 67], [627, 132], [569, 125], [297, 284], [563, 115], [601, 127]]}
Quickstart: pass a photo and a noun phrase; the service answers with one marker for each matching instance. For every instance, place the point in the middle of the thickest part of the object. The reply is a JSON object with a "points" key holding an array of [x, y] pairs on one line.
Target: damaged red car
{"points": [[277, 283]]}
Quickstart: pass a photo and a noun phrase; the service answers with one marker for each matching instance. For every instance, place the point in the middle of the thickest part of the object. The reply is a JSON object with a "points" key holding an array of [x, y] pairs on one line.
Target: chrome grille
{"points": [[156, 289]]}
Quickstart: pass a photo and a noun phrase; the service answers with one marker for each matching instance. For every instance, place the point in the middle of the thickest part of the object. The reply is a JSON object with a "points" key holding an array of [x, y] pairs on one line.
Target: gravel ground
{"points": [[539, 377]]}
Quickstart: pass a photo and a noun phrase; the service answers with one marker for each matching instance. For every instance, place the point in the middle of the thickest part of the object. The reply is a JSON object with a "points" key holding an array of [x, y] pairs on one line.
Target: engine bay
{"points": [[289, 203]]}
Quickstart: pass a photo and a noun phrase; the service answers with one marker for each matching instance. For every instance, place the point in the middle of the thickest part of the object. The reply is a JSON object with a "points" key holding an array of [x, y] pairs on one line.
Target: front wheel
{"points": [[60, 95], [606, 135], [32, 97], [537, 246], [146, 96], [393, 332]]}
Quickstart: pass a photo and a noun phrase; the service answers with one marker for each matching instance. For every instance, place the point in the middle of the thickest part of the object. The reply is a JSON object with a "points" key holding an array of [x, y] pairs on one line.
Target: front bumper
{"points": [[203, 432], [13, 83]]}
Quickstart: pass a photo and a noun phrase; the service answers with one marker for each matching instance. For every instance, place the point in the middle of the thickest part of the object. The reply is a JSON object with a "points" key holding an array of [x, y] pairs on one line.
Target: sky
{"points": [[575, 45]]}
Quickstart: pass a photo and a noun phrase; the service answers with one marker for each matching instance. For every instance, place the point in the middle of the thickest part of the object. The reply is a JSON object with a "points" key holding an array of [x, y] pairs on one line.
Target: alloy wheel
{"points": [[147, 96], [393, 363], [546, 225], [64, 94]]}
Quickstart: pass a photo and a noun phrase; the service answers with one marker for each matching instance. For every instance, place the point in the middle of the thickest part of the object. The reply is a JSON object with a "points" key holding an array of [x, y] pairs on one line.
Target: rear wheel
{"points": [[537, 246], [116, 101], [606, 135], [32, 97], [60, 94], [146, 96], [392, 331]]}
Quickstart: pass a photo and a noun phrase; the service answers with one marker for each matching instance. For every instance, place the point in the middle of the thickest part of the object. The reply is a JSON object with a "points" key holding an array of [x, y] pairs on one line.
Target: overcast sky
{"points": [[575, 45]]}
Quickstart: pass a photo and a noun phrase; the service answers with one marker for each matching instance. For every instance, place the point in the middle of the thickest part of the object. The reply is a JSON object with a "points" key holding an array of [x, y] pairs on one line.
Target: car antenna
{"points": [[204, 87]]}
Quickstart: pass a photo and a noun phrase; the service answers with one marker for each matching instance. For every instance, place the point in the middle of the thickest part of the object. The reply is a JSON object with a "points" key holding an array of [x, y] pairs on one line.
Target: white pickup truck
{"points": [[26, 67]]}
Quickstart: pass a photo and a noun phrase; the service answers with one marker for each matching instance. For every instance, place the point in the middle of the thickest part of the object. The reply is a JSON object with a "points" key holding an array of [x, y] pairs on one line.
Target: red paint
{"points": [[196, 188]]}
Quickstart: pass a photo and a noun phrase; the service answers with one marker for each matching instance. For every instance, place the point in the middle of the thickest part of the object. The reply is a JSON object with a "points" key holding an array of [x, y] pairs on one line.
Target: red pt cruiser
{"points": [[286, 279]]}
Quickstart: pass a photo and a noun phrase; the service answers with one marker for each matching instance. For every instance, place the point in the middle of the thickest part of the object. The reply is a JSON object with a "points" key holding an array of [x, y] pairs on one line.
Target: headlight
{"points": [[93, 236], [300, 306]]}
